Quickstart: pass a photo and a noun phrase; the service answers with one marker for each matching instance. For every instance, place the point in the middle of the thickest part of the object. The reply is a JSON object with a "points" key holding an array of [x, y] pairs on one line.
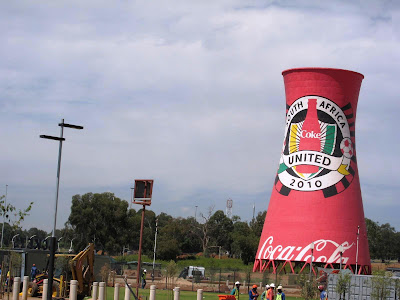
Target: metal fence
{"points": [[362, 287]]}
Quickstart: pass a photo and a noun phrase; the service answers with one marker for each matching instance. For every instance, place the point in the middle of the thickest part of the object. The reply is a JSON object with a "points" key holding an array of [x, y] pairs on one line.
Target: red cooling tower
{"points": [[316, 200]]}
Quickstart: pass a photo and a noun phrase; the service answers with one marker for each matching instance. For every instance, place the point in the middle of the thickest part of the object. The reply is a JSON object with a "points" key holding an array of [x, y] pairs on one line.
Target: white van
{"points": [[193, 271]]}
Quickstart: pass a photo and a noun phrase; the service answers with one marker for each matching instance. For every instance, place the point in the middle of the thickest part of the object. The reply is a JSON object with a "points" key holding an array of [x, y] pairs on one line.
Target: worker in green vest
{"points": [[265, 293], [280, 295], [235, 290], [144, 278]]}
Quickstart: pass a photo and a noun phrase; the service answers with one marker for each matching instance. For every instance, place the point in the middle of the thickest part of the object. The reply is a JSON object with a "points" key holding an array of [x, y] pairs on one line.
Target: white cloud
{"points": [[190, 94]]}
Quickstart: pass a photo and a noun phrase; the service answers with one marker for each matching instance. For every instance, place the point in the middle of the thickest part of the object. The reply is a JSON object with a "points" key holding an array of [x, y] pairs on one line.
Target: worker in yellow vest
{"points": [[280, 295], [235, 290]]}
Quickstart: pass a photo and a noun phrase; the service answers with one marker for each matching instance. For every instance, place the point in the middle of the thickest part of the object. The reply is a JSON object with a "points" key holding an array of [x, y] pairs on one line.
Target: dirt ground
{"points": [[186, 285]]}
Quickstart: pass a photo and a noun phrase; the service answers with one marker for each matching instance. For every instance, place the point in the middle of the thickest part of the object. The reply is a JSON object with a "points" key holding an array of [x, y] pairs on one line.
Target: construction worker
{"points": [[253, 294], [34, 272], [264, 294], [280, 295], [235, 290], [8, 277], [271, 294], [324, 294], [144, 278]]}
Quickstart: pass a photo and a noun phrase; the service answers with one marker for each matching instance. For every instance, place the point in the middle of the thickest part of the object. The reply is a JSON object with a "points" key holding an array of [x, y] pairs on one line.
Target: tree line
{"points": [[114, 228], [383, 240]]}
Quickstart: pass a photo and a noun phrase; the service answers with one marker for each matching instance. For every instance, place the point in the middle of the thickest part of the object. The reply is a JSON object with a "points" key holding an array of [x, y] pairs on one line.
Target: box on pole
{"points": [[143, 191]]}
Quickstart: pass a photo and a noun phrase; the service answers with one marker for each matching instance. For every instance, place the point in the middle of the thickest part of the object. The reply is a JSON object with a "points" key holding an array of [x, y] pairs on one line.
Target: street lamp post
{"points": [[58, 244], [13, 238], [130, 203], [4, 212], [358, 236], [70, 250], [155, 248], [53, 239], [45, 243], [341, 256], [28, 240], [312, 253]]}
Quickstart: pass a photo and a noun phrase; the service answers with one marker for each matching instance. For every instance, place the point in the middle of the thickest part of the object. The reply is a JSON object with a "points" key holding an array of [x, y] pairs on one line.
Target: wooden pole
{"points": [[140, 252]]}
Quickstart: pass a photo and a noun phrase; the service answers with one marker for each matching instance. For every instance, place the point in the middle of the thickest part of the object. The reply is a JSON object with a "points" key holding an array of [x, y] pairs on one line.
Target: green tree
{"points": [[99, 218], [167, 248], [13, 216], [163, 219], [170, 272], [374, 238], [343, 285], [383, 240], [396, 288], [148, 231], [381, 282], [388, 236], [184, 233], [258, 223], [245, 242], [308, 288], [220, 231], [204, 232]]}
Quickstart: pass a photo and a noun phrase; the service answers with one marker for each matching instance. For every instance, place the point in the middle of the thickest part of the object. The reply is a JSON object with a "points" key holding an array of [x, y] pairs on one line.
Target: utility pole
{"points": [[142, 195], [4, 212]]}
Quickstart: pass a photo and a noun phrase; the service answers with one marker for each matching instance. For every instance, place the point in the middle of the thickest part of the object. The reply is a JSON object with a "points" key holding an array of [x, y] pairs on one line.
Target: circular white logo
{"points": [[318, 149]]}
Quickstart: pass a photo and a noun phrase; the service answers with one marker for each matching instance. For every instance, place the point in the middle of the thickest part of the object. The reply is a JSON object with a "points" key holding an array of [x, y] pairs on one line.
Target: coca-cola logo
{"points": [[326, 251], [318, 148], [310, 134]]}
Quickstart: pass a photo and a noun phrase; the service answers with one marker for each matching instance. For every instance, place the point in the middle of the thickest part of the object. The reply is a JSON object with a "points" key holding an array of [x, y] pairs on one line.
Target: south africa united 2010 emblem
{"points": [[318, 151]]}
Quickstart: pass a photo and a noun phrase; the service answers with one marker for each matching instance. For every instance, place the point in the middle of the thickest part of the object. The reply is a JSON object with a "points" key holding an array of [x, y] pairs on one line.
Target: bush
{"points": [[308, 288], [381, 282], [343, 285]]}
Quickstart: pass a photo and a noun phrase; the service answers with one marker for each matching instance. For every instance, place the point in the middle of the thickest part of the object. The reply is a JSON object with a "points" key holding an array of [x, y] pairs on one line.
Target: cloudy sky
{"points": [[189, 93]]}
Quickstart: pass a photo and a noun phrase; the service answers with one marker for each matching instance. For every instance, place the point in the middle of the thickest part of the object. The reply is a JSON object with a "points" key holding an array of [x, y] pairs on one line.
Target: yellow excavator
{"points": [[81, 269]]}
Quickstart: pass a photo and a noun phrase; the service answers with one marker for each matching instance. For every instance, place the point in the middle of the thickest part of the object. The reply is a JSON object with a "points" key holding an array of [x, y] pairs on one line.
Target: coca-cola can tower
{"points": [[315, 215]]}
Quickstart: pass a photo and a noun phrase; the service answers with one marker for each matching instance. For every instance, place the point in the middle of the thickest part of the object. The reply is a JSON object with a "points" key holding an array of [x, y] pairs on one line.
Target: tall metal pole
{"points": [[312, 253], [358, 235], [341, 256], [140, 251], [53, 239], [154, 251], [130, 203], [4, 212]]}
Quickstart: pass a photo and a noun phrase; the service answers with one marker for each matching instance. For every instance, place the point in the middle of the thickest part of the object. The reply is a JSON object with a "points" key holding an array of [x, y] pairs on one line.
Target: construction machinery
{"points": [[80, 269]]}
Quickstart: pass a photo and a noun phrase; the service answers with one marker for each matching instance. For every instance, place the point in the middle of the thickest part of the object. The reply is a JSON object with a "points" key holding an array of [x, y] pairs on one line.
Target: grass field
{"points": [[168, 295]]}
